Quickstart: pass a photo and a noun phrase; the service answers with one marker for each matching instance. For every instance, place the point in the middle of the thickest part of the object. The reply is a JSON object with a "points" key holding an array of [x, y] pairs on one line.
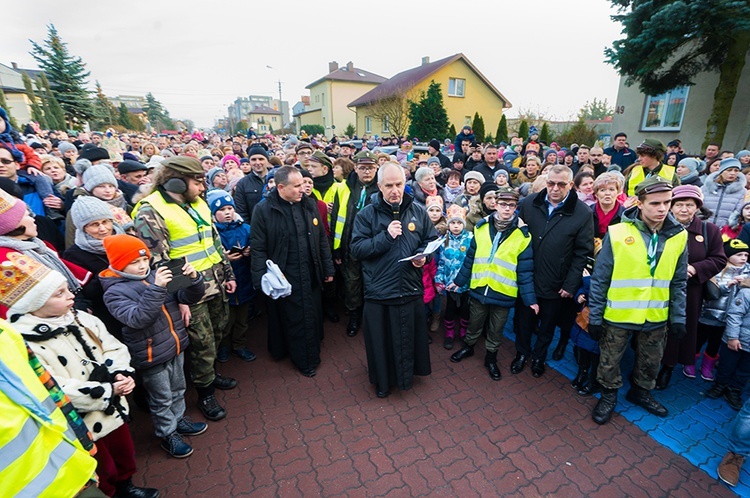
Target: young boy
{"points": [[154, 333], [89, 364], [235, 237]]}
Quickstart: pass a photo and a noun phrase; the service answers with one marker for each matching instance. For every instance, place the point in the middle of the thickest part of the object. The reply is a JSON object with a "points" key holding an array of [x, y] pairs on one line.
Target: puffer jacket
{"points": [[84, 360], [451, 258], [237, 234], [738, 319], [428, 281], [715, 312], [524, 270], [153, 328], [722, 200]]}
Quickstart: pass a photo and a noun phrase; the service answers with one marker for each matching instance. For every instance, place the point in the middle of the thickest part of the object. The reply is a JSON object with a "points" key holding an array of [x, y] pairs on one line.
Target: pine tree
{"points": [[428, 117], [52, 108], [69, 74], [105, 111], [502, 130], [545, 135], [36, 111], [4, 105], [452, 131], [123, 117], [523, 130], [477, 126], [157, 115]]}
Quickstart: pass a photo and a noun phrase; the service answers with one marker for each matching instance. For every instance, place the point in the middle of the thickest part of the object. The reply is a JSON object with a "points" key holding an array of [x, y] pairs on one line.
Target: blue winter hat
{"points": [[533, 131], [742, 154], [217, 199], [727, 163]]}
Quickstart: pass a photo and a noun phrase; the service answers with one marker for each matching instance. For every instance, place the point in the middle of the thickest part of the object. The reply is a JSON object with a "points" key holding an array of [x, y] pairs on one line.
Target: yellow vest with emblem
{"points": [[497, 271], [637, 175], [634, 296], [328, 197], [38, 457], [186, 239], [338, 223]]}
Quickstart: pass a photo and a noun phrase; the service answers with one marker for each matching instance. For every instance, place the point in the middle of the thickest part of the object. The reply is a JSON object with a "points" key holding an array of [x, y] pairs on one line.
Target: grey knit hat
{"points": [[82, 165], [98, 175], [63, 147], [88, 208]]}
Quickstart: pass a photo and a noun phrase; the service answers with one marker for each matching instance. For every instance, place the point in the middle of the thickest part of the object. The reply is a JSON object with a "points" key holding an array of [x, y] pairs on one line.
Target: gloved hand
{"points": [[678, 330], [595, 331]]}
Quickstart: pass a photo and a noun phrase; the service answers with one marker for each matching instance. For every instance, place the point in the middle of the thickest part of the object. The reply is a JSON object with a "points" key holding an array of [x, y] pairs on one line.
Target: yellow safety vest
{"points": [[634, 296], [498, 271], [40, 458], [186, 239], [328, 198], [637, 175], [338, 223]]}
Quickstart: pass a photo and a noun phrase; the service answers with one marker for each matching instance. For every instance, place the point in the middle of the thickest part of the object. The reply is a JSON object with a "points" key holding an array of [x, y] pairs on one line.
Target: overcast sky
{"points": [[197, 57]]}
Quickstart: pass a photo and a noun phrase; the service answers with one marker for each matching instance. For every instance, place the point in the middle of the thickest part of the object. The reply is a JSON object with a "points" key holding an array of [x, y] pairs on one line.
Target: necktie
{"points": [[653, 243]]}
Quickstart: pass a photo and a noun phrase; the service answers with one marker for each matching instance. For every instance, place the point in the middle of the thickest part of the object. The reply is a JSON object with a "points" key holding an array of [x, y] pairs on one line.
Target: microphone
{"points": [[396, 208]]}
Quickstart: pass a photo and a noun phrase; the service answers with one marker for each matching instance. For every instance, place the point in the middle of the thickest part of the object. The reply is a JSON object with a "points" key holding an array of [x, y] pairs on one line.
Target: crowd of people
{"points": [[122, 253]]}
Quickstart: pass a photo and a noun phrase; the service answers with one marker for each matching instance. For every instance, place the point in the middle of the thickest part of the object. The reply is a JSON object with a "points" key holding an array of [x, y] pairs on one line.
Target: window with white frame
{"points": [[665, 111], [368, 124], [386, 125], [456, 87]]}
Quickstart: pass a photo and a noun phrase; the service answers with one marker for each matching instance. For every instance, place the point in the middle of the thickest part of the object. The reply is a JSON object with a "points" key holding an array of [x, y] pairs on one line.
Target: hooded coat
{"points": [[723, 199]]}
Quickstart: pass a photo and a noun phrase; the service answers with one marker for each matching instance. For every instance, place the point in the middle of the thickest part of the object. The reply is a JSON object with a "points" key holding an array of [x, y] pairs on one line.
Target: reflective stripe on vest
{"points": [[498, 271], [338, 223], [38, 457], [186, 239], [637, 175], [634, 296]]}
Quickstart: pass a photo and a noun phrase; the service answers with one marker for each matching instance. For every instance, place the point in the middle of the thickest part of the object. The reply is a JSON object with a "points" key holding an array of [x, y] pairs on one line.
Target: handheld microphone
{"points": [[396, 208]]}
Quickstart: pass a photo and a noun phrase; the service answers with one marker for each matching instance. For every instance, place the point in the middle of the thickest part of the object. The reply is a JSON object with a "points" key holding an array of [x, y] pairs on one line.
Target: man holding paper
{"points": [[395, 326]]}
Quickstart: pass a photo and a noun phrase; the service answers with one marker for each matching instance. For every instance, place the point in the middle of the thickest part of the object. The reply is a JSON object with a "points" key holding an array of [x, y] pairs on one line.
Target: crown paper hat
{"points": [[456, 213], [26, 284]]}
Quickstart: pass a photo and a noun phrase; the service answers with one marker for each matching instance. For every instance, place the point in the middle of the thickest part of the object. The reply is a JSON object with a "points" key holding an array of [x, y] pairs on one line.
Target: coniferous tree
{"points": [[69, 74], [545, 135], [36, 111], [523, 130], [56, 115], [502, 130], [477, 126], [4, 105], [428, 117], [123, 117], [452, 131], [105, 111], [157, 115]]}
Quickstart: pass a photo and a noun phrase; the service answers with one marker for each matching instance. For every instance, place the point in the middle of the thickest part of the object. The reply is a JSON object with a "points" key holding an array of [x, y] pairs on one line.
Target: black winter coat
{"points": [[247, 194], [561, 243], [384, 276]]}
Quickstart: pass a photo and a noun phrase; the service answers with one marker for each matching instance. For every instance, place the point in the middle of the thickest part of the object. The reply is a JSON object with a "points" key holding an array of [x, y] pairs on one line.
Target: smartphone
{"points": [[236, 250], [590, 264], [179, 280]]}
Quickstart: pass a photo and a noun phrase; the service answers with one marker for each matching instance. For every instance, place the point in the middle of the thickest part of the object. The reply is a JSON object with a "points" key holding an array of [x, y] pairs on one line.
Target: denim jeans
{"points": [[739, 439]]}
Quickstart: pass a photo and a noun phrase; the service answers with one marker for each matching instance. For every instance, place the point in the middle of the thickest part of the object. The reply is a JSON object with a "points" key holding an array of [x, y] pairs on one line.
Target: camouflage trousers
{"points": [[649, 351], [206, 331]]}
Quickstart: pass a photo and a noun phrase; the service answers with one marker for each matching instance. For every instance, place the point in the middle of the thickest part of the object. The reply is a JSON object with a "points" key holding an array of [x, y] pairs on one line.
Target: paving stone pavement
{"points": [[456, 433]]}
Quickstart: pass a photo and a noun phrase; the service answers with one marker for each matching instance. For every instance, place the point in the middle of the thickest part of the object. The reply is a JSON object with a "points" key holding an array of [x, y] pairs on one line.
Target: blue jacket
{"points": [[451, 258], [524, 271], [237, 234]]}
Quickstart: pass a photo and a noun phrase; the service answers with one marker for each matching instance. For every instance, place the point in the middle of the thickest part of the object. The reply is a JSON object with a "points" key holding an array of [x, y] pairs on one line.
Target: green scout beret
{"points": [[652, 185]]}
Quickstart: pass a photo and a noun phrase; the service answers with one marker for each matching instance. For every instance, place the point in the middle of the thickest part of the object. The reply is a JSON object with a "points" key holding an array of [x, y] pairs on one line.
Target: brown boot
{"points": [[729, 468]]}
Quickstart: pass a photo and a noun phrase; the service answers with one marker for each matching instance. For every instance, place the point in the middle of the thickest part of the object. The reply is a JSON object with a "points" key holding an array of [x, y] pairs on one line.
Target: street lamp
{"points": [[281, 106]]}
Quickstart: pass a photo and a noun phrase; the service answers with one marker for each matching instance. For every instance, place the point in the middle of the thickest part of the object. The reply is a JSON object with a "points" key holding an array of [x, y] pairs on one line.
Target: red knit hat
{"points": [[123, 249]]}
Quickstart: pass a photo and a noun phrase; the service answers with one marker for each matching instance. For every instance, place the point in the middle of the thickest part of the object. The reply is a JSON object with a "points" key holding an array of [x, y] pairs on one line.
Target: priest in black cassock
{"points": [[395, 325], [288, 230]]}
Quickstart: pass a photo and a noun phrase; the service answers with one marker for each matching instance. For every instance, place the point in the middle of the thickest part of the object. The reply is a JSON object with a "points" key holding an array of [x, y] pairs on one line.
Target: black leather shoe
{"points": [[717, 391], [308, 372], [662, 380], [224, 383], [559, 351], [589, 389], [494, 371], [733, 397], [518, 363], [126, 489], [353, 327], [605, 407], [382, 394], [646, 400], [580, 380], [211, 408], [537, 367], [462, 353], [332, 316]]}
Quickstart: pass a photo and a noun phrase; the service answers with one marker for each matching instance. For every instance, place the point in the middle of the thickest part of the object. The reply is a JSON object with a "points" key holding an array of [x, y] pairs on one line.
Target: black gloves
{"points": [[595, 331], [678, 330]]}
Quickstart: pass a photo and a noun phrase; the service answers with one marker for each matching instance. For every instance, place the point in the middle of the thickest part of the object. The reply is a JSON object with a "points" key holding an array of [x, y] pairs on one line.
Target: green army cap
{"points": [[652, 143], [651, 185], [365, 156], [321, 158], [507, 194], [185, 165]]}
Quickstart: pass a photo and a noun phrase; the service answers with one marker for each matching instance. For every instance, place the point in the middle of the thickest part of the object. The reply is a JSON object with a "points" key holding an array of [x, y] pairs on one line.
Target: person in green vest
{"points": [[175, 222], [650, 155], [638, 286], [354, 193]]}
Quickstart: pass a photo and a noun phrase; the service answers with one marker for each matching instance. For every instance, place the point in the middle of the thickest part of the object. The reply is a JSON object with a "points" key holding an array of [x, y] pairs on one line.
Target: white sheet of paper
{"points": [[431, 247]]}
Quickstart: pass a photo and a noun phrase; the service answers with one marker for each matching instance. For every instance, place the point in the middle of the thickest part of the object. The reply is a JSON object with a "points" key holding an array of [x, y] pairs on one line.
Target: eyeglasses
{"points": [[506, 205], [366, 169], [7, 161], [305, 153], [560, 185]]}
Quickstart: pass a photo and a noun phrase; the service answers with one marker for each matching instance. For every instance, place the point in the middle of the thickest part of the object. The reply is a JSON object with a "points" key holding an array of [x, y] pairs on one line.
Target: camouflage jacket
{"points": [[152, 230]]}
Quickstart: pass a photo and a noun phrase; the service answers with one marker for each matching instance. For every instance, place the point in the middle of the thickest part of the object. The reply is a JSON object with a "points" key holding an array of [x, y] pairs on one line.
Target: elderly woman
{"points": [[93, 220], [705, 259], [724, 191], [425, 185], [607, 208]]}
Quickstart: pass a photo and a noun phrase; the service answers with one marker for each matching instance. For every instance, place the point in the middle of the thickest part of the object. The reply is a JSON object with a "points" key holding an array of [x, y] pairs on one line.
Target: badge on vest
{"points": [[411, 227], [462, 249], [629, 240], [699, 238], [315, 221]]}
